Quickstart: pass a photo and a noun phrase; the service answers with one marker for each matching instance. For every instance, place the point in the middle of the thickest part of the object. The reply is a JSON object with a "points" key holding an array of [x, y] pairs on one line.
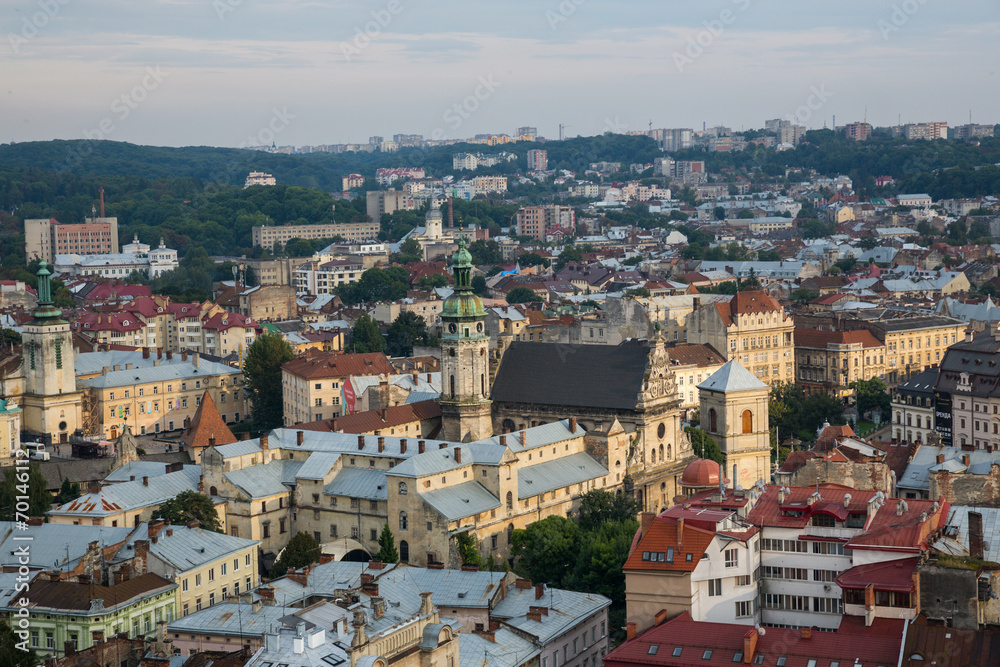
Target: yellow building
{"points": [[155, 395], [914, 344], [751, 328], [313, 385], [10, 431], [208, 567], [829, 361]]}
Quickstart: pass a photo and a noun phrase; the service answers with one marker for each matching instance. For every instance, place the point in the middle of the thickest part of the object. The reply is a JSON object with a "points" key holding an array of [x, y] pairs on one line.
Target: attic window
{"points": [[653, 648]]}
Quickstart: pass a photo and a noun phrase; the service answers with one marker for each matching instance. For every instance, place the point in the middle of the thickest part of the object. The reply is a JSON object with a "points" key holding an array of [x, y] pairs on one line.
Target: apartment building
{"points": [[46, 238], [352, 181], [858, 131], [388, 176], [752, 328], [266, 237], [207, 567], [314, 384], [316, 277], [913, 344], [913, 409], [928, 131], [160, 397], [484, 185], [384, 202], [829, 361], [538, 160], [545, 222]]}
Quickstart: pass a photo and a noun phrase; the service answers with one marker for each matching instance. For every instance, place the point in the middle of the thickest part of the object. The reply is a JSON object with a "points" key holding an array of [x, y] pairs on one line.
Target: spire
{"points": [[46, 308], [461, 263]]}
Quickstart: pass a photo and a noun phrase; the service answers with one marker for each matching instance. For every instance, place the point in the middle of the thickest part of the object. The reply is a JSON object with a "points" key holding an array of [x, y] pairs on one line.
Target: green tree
{"points": [[189, 506], [301, 550], [366, 336], [433, 280], [262, 378], [638, 291], [410, 251], [68, 491], [703, 445], [600, 506], [390, 284], [479, 287], [804, 296], [9, 337], [719, 213], [546, 549], [465, 544], [598, 563], [872, 394], [11, 647], [407, 330], [521, 294], [532, 259], [485, 252], [387, 552], [570, 254]]}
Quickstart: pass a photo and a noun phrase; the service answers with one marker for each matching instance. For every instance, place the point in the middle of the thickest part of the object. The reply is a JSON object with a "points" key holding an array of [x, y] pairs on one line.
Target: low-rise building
{"points": [[829, 361], [913, 409], [316, 386]]}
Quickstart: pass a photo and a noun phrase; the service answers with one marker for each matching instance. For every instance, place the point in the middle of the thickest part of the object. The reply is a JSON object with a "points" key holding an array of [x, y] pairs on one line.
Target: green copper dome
{"points": [[463, 303]]}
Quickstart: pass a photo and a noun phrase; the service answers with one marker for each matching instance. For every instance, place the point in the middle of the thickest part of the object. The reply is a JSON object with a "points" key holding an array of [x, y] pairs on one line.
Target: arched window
{"points": [[403, 521], [670, 454], [404, 552], [747, 421], [212, 491], [402, 488], [510, 500], [510, 533], [713, 419], [661, 452], [652, 456], [507, 426]]}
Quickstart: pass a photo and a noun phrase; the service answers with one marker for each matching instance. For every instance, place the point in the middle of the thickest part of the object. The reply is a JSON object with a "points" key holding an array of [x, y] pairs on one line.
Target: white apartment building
{"points": [[317, 277]]}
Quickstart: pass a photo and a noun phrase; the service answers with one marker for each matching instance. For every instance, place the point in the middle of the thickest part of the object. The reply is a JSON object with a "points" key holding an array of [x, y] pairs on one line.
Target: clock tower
{"points": [[51, 404], [465, 402]]}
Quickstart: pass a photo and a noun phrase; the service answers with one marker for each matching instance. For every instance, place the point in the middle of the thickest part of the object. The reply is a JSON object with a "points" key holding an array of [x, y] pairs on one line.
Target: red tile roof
{"points": [[893, 575], [877, 644], [69, 595], [908, 531], [770, 512], [207, 424], [227, 321], [667, 532], [120, 322], [314, 364], [820, 340], [373, 420], [832, 435]]}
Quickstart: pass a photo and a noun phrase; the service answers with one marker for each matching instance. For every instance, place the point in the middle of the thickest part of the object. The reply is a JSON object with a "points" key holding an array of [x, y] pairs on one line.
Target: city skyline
{"points": [[217, 72]]}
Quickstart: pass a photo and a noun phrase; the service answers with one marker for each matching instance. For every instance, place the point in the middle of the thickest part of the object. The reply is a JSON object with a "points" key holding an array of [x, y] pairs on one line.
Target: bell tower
{"points": [[465, 380], [51, 403]]}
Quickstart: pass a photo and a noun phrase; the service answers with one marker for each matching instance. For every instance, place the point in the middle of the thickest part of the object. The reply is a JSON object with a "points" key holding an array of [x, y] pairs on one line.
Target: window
{"points": [[404, 551], [653, 648], [402, 488], [747, 421], [713, 421], [197, 580], [236, 565], [211, 598], [732, 558], [247, 563], [403, 521], [184, 585], [707, 655], [714, 587], [211, 574], [677, 651], [744, 609]]}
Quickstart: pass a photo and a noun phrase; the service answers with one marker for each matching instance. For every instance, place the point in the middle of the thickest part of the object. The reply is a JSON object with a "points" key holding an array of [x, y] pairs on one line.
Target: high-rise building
{"points": [[46, 238], [383, 202], [538, 160], [973, 131], [677, 139], [929, 131], [858, 131], [540, 222], [527, 133]]}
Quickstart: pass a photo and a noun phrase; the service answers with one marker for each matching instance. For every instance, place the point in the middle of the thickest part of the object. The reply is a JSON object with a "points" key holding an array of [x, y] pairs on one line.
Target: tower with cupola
{"points": [[51, 403], [465, 376]]}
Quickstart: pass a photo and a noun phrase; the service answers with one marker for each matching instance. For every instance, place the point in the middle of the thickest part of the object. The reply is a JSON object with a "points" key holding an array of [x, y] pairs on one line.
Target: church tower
{"points": [[734, 412], [465, 381], [51, 403]]}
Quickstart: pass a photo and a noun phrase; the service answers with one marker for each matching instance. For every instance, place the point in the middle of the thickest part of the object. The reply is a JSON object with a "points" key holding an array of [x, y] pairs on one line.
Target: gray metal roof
{"points": [[365, 483], [924, 461], [732, 377], [186, 370], [56, 546], [566, 610], [461, 500], [454, 588], [267, 479], [137, 469], [317, 465], [128, 496], [186, 548], [557, 473], [537, 436], [231, 618], [957, 543], [506, 650]]}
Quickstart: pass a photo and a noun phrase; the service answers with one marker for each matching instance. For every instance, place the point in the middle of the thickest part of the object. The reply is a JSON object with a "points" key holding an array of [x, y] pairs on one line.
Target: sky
{"points": [[311, 72]]}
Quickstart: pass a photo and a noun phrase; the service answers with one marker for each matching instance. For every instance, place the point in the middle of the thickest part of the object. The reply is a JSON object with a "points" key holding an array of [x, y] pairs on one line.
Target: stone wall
{"points": [[966, 488]]}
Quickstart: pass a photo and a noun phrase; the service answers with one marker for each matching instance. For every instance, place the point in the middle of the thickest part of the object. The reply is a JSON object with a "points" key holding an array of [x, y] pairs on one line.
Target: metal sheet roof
{"points": [[462, 500], [558, 473], [128, 496], [365, 483]]}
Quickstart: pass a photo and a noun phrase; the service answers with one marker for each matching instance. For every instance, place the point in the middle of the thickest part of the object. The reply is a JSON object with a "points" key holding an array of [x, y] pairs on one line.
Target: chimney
{"points": [[195, 358], [145, 353], [159, 353], [647, 521], [93, 487], [749, 645], [443, 445], [734, 475], [458, 455], [402, 445], [211, 441], [299, 437], [503, 440], [524, 438], [940, 458], [69, 648], [539, 591], [184, 356], [420, 446], [381, 444], [630, 630], [263, 442], [98, 637], [966, 459], [170, 532], [378, 607], [131, 478], [659, 617], [325, 558], [141, 551], [976, 546], [572, 424], [680, 533], [806, 633], [170, 354], [187, 423], [781, 495], [361, 442]]}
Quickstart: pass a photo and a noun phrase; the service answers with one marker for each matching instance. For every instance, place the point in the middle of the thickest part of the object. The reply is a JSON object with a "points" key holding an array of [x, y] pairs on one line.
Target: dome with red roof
{"points": [[701, 474]]}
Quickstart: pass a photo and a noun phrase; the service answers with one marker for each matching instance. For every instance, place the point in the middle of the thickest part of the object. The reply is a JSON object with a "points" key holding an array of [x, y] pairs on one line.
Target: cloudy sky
{"points": [[229, 72]]}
